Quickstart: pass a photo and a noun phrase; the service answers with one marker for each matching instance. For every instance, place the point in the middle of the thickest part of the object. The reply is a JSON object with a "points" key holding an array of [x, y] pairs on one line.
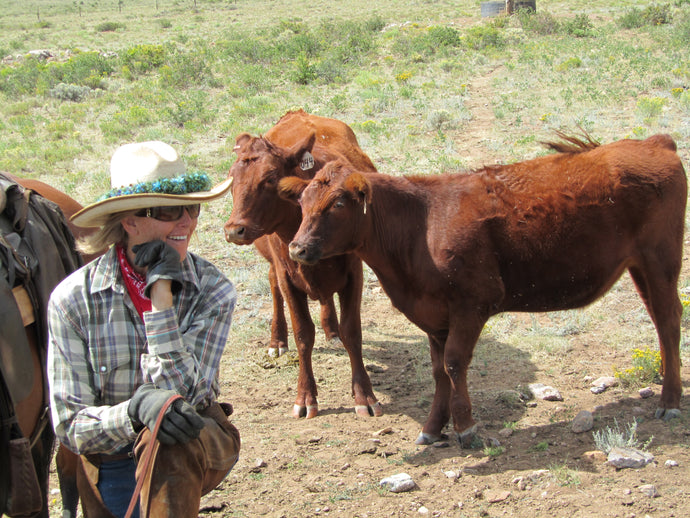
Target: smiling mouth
{"points": [[178, 238]]}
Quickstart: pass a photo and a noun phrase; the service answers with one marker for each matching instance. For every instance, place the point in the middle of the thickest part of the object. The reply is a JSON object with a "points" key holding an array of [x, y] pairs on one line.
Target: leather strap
{"points": [[146, 457], [26, 308]]}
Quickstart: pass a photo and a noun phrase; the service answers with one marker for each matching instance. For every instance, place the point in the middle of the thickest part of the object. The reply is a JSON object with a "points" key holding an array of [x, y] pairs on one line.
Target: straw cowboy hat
{"points": [[148, 174]]}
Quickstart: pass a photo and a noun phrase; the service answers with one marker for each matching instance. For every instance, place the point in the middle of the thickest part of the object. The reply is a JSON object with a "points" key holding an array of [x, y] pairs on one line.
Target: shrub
{"points": [[542, 23], [69, 92], [644, 370], [109, 26], [484, 36], [651, 15], [303, 72], [141, 59], [185, 69], [609, 438], [580, 26], [650, 108]]}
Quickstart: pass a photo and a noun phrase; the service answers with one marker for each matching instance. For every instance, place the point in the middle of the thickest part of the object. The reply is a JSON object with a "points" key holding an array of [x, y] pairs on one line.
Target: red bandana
{"points": [[134, 282]]}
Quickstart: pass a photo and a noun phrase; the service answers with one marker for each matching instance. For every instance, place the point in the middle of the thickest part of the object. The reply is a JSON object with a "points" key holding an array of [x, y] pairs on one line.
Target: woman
{"points": [[145, 321]]}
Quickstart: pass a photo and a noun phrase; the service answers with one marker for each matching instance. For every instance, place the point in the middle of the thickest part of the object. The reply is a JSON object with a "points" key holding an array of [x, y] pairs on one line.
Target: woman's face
{"points": [[141, 229]]}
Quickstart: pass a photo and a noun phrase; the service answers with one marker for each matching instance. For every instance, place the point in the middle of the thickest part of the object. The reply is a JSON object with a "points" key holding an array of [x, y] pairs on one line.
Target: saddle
{"points": [[36, 252]]}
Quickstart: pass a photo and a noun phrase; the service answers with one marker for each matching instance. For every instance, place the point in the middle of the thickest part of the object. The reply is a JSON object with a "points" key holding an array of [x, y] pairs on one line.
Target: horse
{"points": [[36, 216]]}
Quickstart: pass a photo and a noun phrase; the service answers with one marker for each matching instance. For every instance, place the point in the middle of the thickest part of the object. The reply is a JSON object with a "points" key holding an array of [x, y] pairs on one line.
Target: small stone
{"points": [[671, 463], [599, 385], [453, 475], [629, 458], [583, 422], [545, 392], [646, 392], [505, 432], [383, 431], [649, 490], [594, 456], [494, 497], [423, 510], [441, 444], [398, 483]]}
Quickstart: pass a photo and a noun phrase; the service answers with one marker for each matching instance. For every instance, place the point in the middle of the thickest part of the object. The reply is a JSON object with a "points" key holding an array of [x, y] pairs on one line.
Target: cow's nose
{"points": [[234, 233]]}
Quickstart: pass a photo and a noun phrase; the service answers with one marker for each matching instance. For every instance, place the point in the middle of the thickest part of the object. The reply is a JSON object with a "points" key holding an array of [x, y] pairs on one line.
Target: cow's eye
{"points": [[339, 204]]}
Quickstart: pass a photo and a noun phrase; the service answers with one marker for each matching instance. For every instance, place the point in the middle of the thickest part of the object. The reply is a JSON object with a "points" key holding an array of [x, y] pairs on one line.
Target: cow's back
{"points": [[333, 137]]}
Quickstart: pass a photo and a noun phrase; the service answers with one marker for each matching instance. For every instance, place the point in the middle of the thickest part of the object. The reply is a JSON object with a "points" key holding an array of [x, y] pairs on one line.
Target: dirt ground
{"points": [[332, 465]]}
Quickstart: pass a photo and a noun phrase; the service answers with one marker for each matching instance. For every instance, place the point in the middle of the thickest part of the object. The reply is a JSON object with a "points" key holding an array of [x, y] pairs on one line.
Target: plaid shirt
{"points": [[100, 350]]}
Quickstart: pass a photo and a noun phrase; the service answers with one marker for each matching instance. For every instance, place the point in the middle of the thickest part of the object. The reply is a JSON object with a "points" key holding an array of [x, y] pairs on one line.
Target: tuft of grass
{"points": [[615, 437]]}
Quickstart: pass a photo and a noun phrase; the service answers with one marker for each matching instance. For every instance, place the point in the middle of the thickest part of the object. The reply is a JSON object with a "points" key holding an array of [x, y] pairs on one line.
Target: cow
{"points": [[552, 233], [299, 145]]}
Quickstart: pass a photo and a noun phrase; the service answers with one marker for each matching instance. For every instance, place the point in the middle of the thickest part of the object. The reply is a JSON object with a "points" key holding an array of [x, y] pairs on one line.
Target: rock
{"points": [[545, 392], [453, 475], [259, 464], [505, 432], [594, 456], [398, 483], [646, 392], [583, 422], [649, 490], [599, 385], [629, 458], [671, 463], [495, 496], [423, 510], [383, 431]]}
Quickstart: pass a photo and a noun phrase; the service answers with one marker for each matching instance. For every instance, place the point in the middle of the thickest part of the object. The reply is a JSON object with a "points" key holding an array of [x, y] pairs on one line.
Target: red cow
{"points": [[298, 146], [547, 234]]}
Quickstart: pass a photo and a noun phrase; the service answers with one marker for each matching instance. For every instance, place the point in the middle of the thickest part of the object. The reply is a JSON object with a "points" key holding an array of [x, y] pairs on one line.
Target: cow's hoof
{"points": [[335, 341], [375, 410], [667, 413], [426, 438], [469, 439], [308, 411], [276, 352]]}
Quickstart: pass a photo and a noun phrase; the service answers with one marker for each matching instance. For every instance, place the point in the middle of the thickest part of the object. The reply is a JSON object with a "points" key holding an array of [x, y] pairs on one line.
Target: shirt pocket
{"points": [[113, 372]]}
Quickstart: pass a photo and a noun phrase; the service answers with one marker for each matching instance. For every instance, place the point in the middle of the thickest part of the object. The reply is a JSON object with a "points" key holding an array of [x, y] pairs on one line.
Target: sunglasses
{"points": [[172, 213]]}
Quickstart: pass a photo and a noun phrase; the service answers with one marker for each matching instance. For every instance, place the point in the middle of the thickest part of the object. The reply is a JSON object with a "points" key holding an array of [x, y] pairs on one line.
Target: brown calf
{"points": [[547, 234], [298, 146]]}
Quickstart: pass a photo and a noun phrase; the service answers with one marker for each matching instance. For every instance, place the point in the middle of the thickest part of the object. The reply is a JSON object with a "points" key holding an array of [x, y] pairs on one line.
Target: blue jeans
{"points": [[116, 483]]}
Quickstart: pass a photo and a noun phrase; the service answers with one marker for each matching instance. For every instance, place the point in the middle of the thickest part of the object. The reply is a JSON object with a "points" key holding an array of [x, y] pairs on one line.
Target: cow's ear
{"points": [[241, 140], [300, 153], [290, 188], [358, 184]]}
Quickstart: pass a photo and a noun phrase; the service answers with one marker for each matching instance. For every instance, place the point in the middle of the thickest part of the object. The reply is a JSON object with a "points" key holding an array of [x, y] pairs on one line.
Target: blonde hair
{"points": [[111, 233]]}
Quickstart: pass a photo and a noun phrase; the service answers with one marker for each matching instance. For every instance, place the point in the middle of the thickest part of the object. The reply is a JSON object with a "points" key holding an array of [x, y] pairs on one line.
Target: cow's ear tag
{"points": [[307, 161], [365, 206]]}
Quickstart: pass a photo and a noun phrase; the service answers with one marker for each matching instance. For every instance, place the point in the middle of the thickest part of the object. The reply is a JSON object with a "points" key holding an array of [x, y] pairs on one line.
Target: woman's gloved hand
{"points": [[181, 422], [162, 261]]}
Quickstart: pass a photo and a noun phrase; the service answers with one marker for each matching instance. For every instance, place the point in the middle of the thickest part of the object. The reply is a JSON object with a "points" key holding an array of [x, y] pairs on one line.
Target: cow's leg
{"points": [[366, 403], [279, 329], [329, 321], [462, 338], [657, 286], [440, 407], [304, 331]]}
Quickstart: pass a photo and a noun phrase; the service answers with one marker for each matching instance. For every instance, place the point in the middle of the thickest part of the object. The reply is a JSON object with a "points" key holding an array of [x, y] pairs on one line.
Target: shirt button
{"points": [[103, 368]]}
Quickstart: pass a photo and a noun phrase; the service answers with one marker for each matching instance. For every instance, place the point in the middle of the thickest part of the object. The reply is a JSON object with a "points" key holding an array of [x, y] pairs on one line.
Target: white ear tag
{"points": [[365, 206], [307, 161]]}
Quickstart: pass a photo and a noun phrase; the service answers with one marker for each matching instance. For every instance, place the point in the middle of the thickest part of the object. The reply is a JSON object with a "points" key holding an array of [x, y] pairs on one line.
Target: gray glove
{"points": [[162, 261], [180, 424]]}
